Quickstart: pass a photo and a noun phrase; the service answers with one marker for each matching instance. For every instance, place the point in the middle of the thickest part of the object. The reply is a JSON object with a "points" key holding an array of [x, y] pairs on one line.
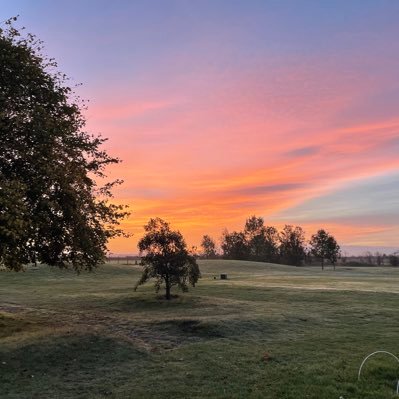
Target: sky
{"points": [[220, 110]]}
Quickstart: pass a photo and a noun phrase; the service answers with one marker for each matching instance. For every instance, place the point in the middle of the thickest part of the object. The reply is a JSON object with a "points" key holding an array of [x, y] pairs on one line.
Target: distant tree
{"points": [[234, 245], [344, 257], [52, 209], [394, 260], [208, 246], [292, 245], [379, 257], [166, 258], [368, 258], [324, 246], [262, 240], [194, 251], [254, 226]]}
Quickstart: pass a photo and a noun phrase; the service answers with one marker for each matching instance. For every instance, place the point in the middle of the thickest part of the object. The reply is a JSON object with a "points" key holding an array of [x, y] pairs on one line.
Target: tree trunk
{"points": [[167, 284]]}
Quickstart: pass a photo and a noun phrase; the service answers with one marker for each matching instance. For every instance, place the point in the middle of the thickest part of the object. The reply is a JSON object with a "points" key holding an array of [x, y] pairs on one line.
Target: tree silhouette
{"points": [[292, 245], [394, 260], [262, 240], [52, 209], [324, 246], [208, 247], [166, 258], [234, 245]]}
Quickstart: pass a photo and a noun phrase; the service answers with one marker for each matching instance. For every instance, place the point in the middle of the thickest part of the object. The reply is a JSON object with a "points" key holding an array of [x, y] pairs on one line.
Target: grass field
{"points": [[269, 331]]}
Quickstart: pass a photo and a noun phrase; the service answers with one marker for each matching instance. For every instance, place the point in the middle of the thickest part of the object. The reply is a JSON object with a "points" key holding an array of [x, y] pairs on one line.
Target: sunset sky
{"points": [[224, 109]]}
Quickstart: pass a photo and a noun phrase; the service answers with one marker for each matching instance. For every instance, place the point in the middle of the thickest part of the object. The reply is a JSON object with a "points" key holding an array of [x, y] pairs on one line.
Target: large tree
{"points": [[292, 245], [262, 240], [324, 246], [234, 245], [166, 258], [52, 206]]}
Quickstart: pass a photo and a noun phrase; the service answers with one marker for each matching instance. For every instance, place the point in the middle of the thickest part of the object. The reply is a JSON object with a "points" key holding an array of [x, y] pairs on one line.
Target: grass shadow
{"points": [[68, 367]]}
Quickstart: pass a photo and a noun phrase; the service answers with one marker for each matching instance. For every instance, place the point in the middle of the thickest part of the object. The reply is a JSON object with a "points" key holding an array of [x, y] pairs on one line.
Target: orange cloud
{"points": [[254, 144]]}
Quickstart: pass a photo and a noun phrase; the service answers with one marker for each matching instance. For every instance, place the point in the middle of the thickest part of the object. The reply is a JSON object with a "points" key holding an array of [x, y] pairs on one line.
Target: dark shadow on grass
{"points": [[153, 303], [68, 367], [228, 328], [191, 328]]}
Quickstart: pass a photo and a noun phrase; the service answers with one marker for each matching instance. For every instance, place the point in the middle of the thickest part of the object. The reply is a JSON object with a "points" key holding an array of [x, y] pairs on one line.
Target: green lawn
{"points": [[269, 331]]}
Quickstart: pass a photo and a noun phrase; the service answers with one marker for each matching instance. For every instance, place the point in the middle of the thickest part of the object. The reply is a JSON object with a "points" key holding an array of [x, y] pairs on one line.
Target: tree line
{"points": [[258, 242], [372, 259]]}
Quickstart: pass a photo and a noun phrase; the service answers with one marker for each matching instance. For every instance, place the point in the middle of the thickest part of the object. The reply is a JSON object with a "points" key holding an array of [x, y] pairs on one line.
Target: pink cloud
{"points": [[212, 151]]}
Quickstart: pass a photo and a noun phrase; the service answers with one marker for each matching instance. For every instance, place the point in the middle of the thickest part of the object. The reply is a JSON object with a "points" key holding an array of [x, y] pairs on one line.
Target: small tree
{"points": [[394, 260], [378, 258], [208, 247], [166, 258], [368, 258], [325, 247]]}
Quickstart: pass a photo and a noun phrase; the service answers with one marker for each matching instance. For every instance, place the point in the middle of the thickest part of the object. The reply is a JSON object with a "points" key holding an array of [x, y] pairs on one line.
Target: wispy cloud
{"points": [[303, 151], [225, 110], [267, 189]]}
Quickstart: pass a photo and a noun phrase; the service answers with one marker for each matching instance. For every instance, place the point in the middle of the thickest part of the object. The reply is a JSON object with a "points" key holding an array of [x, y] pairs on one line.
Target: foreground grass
{"points": [[267, 332]]}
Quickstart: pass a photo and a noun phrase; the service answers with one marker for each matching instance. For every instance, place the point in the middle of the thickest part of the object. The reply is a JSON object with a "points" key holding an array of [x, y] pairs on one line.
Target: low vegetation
{"points": [[268, 331]]}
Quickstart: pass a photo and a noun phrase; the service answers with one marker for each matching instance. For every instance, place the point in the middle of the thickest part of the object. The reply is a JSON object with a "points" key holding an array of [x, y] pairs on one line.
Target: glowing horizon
{"points": [[221, 111]]}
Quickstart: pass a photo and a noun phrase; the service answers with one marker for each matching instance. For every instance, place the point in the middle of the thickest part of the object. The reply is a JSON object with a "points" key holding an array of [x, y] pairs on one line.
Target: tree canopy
{"points": [[208, 246], [262, 240], [324, 246], [292, 245], [262, 243], [52, 206], [234, 245], [166, 258]]}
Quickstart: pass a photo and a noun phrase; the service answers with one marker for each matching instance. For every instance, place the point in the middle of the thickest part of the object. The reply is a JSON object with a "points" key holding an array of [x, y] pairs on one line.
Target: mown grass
{"points": [[269, 331]]}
